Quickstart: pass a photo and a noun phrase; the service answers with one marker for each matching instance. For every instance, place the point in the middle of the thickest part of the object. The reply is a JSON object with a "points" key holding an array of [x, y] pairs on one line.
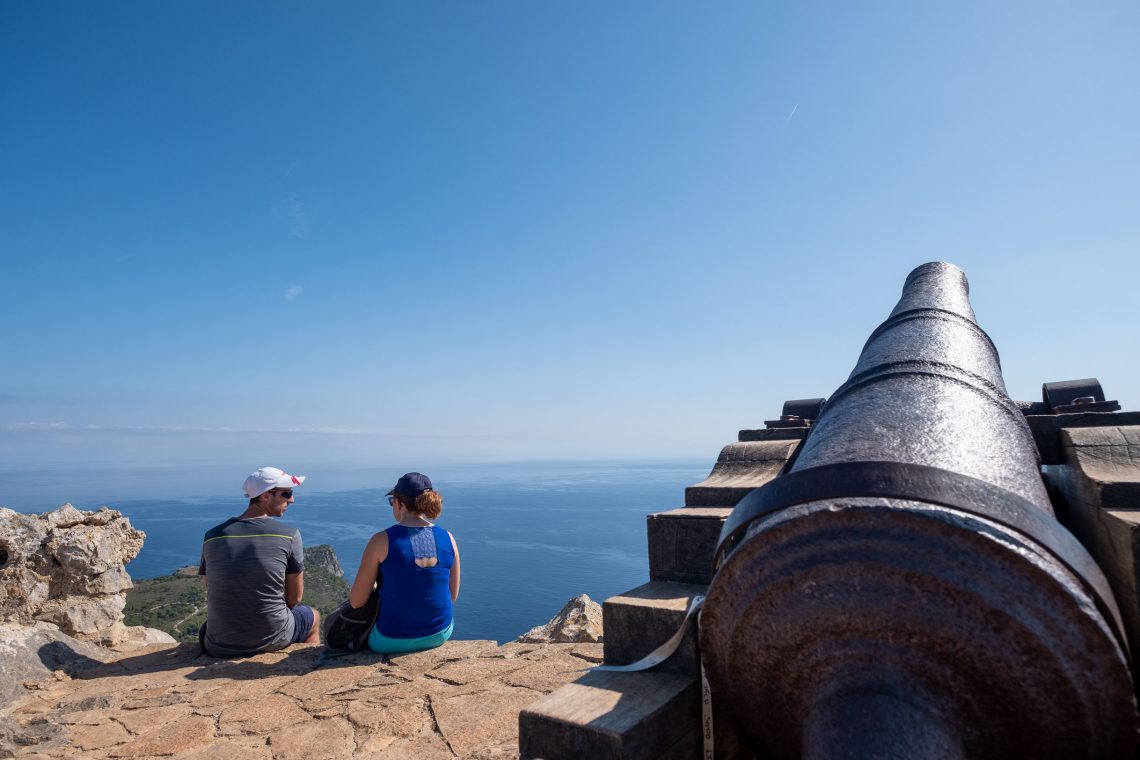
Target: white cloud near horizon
{"points": [[17, 427], [33, 426]]}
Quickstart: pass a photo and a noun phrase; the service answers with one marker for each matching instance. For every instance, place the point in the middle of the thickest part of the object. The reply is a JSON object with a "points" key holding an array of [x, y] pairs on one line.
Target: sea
{"points": [[531, 536]]}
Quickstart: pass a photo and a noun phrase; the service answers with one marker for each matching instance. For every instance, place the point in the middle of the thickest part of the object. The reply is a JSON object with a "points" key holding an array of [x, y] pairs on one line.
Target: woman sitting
{"points": [[418, 564]]}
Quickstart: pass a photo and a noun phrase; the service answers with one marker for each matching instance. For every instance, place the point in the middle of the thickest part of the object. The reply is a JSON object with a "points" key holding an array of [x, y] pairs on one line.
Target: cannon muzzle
{"points": [[904, 591]]}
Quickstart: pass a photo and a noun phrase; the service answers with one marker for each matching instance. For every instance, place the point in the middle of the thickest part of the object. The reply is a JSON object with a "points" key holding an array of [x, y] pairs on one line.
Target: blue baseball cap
{"points": [[411, 484]]}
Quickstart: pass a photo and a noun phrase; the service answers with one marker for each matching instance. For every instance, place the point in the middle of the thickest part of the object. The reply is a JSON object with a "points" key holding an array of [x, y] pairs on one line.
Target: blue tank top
{"points": [[415, 601]]}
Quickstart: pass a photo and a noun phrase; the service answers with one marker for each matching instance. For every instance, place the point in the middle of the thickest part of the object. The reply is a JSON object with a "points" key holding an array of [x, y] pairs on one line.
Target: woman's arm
{"points": [[453, 581], [365, 582]]}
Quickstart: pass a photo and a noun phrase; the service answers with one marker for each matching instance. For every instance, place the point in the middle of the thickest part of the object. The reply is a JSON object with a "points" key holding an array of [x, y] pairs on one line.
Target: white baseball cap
{"points": [[269, 477]]}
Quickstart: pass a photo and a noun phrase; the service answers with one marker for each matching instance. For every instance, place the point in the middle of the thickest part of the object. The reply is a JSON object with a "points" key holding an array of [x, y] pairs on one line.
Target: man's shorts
{"points": [[303, 619]]}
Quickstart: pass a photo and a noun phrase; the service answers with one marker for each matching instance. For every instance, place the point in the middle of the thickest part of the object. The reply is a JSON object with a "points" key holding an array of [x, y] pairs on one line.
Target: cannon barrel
{"points": [[904, 589]]}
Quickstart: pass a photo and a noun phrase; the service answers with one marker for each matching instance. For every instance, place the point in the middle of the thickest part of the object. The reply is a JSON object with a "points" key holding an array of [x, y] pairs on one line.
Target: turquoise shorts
{"points": [[381, 644]]}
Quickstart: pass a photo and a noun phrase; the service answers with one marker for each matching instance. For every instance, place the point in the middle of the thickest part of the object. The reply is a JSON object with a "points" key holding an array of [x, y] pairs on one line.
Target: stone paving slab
{"points": [[459, 701]]}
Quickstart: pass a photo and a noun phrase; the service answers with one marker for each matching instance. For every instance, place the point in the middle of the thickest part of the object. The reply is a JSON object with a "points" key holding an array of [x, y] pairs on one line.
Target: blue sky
{"points": [[380, 234]]}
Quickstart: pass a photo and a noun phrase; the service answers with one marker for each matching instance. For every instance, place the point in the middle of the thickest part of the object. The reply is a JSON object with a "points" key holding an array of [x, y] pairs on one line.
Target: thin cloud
{"points": [[295, 213], [292, 292], [793, 113], [298, 219]]}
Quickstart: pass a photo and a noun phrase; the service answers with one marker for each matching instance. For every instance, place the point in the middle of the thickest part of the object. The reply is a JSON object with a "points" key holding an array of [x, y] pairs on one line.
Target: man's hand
{"points": [[294, 589]]}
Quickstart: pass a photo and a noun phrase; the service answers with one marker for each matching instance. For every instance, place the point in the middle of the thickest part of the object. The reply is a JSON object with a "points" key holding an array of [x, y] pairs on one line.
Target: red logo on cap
{"points": [[294, 479]]}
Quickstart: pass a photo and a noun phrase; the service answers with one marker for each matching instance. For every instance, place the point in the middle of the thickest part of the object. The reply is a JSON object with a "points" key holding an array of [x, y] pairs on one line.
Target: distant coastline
{"points": [[92, 485]]}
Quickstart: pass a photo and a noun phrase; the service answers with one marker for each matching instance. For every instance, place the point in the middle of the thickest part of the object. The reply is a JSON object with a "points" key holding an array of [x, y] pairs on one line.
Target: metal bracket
{"points": [[1076, 396], [798, 412]]}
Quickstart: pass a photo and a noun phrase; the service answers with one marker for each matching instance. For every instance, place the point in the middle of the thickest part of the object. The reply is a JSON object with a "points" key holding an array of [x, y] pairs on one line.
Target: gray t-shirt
{"points": [[245, 562]]}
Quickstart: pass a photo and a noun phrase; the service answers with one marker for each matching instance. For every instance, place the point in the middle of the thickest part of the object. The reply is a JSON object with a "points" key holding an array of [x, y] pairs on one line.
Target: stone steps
{"points": [[648, 715], [656, 714]]}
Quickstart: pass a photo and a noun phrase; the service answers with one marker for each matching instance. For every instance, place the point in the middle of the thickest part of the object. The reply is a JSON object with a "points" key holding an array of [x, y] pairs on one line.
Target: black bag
{"points": [[347, 627]]}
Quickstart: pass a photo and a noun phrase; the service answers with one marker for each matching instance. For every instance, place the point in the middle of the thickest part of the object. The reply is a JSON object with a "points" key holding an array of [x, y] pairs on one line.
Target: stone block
{"points": [[1046, 429], [1099, 481], [740, 468], [773, 434], [640, 620], [611, 716], [682, 541]]}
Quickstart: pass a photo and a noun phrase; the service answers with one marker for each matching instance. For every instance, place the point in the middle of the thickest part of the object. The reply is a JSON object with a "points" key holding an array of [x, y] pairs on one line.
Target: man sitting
{"points": [[254, 568]]}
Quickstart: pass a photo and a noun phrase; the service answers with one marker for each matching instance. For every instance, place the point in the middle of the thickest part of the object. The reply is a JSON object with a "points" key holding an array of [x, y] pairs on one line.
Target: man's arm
{"points": [[294, 588]]}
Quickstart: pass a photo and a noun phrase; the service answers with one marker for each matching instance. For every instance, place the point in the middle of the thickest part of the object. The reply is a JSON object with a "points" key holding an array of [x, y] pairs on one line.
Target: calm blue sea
{"points": [[530, 536]]}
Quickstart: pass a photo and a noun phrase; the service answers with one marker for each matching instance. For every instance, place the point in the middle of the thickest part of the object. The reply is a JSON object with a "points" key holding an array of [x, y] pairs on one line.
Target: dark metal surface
{"points": [[800, 412], [1076, 396], [934, 608]]}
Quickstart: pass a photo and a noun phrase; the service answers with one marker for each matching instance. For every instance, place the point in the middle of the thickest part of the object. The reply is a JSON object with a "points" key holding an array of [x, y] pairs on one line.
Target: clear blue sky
{"points": [[384, 234]]}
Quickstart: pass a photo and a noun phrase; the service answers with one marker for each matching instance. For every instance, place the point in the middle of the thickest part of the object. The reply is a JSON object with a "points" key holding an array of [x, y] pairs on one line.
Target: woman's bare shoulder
{"points": [[377, 541]]}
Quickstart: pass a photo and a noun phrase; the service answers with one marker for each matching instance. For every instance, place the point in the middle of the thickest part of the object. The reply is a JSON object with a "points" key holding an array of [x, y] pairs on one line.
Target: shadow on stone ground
{"points": [[459, 701], [297, 661]]}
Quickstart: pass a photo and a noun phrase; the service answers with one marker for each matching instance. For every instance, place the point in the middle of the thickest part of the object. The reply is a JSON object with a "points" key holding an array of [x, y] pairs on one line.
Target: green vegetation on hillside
{"points": [[177, 603]]}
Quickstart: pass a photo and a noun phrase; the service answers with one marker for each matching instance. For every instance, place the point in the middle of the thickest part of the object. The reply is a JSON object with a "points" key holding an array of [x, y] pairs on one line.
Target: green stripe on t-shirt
{"points": [[251, 535]]}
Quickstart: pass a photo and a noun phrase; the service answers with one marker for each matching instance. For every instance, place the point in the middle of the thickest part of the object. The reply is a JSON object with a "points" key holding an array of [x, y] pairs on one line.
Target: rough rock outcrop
{"points": [[579, 621], [31, 653], [66, 568], [324, 557]]}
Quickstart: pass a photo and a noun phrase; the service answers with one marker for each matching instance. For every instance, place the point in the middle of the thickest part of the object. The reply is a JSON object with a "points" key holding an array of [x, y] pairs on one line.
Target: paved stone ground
{"points": [[459, 701]]}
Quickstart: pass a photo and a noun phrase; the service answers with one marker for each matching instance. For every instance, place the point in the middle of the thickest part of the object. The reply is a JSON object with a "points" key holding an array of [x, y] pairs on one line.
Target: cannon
{"points": [[904, 590], [883, 574]]}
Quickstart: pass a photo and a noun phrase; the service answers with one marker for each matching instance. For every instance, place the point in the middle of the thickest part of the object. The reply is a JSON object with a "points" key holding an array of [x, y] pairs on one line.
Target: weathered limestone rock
{"points": [[314, 740], [66, 567], [579, 620], [33, 653], [184, 735]]}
